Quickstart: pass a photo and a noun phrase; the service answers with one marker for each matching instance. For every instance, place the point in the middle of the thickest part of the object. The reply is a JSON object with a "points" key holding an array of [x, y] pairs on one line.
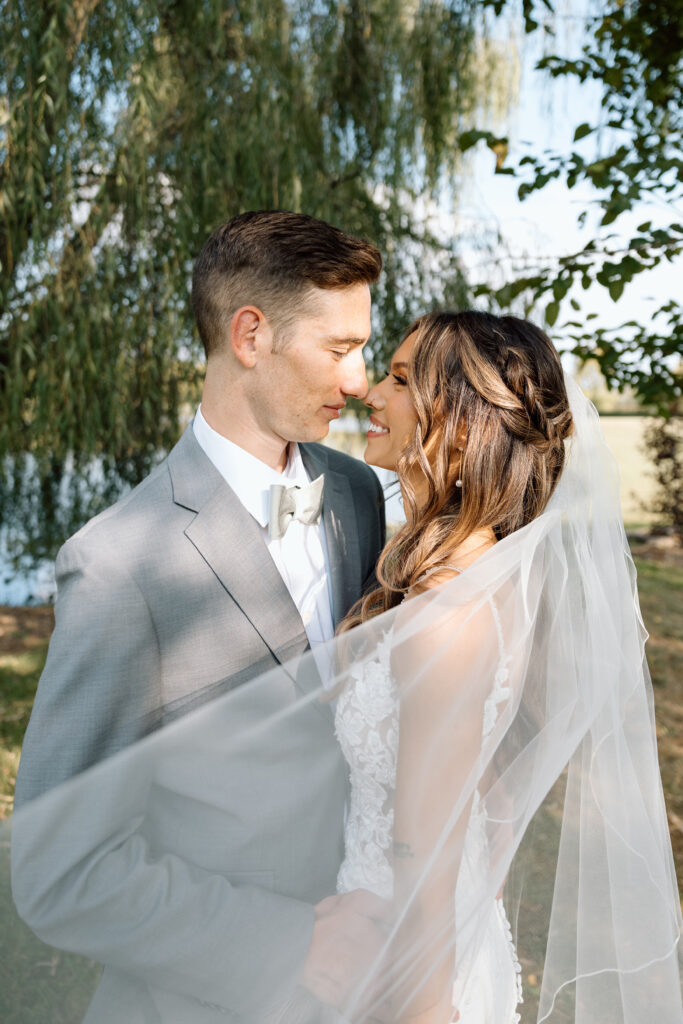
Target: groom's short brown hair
{"points": [[271, 259]]}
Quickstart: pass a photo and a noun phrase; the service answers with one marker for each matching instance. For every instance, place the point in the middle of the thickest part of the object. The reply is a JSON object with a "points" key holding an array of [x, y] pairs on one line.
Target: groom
{"points": [[246, 546]]}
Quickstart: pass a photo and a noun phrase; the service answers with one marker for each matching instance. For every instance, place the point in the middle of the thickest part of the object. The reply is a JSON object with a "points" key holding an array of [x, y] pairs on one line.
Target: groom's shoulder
{"points": [[114, 522], [143, 512]]}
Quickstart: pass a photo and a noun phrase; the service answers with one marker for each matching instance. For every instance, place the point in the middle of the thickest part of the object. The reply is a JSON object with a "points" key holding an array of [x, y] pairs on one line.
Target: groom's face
{"points": [[304, 379]]}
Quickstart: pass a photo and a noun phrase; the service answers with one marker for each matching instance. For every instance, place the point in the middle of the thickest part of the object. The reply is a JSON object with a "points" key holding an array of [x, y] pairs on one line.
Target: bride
{"points": [[473, 415], [447, 725]]}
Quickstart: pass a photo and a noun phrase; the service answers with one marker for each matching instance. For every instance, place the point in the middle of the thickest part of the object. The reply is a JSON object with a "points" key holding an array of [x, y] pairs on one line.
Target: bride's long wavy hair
{"points": [[492, 412]]}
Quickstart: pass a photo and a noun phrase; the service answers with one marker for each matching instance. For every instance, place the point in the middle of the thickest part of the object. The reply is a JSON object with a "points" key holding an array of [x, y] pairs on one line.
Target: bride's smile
{"points": [[393, 419]]}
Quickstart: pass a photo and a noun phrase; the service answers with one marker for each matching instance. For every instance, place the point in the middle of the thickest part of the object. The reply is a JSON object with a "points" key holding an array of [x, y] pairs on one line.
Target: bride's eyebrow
{"points": [[396, 366]]}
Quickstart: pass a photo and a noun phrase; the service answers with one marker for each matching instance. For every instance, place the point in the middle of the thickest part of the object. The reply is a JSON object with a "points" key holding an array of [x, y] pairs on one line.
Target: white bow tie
{"points": [[288, 503]]}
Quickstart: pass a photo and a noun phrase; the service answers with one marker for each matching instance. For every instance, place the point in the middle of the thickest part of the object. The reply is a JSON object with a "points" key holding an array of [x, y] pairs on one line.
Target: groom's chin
{"points": [[318, 431], [314, 432]]}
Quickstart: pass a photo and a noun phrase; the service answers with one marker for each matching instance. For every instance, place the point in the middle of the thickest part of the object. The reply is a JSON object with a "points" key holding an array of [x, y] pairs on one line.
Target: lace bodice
{"points": [[366, 724], [367, 728]]}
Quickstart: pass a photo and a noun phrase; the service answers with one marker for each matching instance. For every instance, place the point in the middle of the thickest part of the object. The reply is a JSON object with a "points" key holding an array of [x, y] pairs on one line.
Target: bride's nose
{"points": [[374, 399]]}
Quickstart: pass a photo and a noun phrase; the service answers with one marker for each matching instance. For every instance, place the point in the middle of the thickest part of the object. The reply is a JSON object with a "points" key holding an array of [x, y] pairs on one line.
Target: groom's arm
{"points": [[84, 876]]}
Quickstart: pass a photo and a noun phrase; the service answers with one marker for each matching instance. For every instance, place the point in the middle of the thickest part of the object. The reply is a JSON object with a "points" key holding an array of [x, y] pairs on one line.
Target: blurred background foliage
{"points": [[129, 130]]}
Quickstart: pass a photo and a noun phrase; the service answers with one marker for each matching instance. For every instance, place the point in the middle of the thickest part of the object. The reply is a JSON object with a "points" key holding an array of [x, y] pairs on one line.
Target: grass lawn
{"points": [[661, 601], [59, 985]]}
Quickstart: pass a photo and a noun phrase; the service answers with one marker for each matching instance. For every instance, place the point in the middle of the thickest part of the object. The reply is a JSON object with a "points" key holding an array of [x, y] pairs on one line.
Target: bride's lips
{"points": [[376, 429]]}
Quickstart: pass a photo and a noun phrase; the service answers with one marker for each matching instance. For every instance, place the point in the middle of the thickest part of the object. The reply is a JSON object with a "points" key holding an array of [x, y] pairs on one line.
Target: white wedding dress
{"points": [[367, 728]]}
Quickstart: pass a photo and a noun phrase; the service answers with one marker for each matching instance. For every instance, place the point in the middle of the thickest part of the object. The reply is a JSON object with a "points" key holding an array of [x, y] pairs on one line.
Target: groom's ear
{"points": [[247, 324]]}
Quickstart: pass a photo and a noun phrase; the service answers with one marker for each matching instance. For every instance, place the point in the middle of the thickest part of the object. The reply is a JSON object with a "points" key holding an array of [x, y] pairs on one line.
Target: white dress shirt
{"points": [[301, 555]]}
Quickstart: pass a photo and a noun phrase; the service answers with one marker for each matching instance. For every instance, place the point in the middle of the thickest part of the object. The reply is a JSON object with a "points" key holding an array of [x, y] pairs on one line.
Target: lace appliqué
{"points": [[366, 725], [507, 929]]}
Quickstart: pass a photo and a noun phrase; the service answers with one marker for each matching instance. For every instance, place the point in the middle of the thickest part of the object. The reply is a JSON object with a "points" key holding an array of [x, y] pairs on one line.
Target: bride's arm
{"points": [[444, 672]]}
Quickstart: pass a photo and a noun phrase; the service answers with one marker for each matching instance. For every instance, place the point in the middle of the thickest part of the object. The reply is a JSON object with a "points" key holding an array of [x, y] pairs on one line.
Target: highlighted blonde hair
{"points": [[493, 411]]}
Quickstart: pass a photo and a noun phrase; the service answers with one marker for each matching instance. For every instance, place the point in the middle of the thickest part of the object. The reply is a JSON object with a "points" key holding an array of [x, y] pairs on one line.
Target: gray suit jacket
{"points": [[165, 601]]}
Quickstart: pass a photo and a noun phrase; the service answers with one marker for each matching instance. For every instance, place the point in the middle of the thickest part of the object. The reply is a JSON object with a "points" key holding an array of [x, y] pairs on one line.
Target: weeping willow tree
{"points": [[128, 131]]}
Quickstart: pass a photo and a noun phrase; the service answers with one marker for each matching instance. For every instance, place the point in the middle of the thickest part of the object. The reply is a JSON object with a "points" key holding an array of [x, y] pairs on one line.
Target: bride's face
{"points": [[393, 419]]}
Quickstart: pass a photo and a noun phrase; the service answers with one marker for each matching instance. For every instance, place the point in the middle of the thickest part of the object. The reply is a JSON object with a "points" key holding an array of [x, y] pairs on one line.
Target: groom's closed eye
{"points": [[341, 347]]}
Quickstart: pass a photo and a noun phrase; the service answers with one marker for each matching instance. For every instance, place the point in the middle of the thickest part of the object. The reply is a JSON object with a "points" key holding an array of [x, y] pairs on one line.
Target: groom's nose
{"points": [[354, 383]]}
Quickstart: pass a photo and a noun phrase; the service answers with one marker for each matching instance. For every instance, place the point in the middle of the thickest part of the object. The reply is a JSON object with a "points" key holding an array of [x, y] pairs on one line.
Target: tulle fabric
{"points": [[565, 774]]}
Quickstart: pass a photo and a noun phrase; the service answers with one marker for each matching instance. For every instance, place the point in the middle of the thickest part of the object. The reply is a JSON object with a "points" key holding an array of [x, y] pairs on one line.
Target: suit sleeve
{"points": [[83, 874]]}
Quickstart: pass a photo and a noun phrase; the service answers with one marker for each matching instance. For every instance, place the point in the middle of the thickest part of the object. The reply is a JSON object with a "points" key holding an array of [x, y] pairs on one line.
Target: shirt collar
{"points": [[248, 477]]}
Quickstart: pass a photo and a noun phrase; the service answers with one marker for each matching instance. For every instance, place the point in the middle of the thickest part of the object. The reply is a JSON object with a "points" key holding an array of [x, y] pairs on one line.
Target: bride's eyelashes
{"points": [[397, 377]]}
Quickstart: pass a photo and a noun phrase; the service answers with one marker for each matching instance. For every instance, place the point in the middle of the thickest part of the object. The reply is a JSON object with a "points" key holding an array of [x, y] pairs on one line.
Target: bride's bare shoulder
{"points": [[433, 577], [454, 564]]}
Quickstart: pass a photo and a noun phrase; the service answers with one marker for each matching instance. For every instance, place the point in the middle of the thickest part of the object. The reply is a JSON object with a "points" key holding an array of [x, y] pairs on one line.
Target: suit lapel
{"points": [[341, 532], [231, 543]]}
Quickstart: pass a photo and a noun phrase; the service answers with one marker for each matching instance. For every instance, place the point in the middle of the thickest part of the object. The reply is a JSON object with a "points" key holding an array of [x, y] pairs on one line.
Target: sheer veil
{"points": [[525, 704]]}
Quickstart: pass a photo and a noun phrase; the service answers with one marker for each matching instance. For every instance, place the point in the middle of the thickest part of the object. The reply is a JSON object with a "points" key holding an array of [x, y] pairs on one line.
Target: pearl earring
{"points": [[458, 483]]}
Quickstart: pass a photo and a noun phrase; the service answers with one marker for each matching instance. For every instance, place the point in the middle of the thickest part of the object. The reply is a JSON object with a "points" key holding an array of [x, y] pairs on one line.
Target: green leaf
{"points": [[561, 287], [610, 214], [581, 132], [552, 311], [470, 138], [615, 289]]}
